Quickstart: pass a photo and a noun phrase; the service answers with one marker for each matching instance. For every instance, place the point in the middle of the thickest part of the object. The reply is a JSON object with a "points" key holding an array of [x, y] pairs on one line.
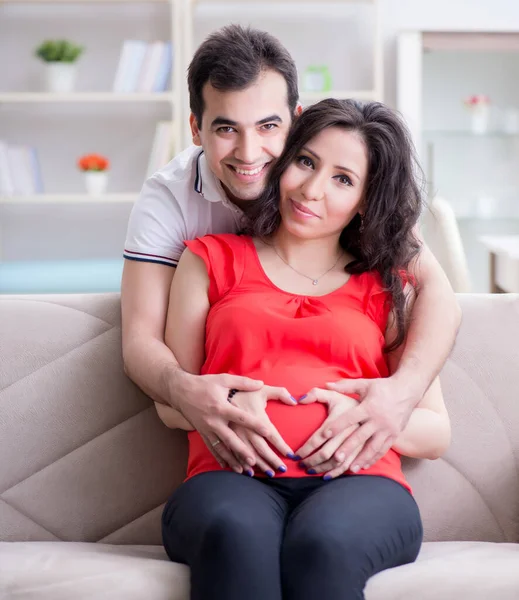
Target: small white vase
{"points": [[479, 119], [96, 182], [61, 77]]}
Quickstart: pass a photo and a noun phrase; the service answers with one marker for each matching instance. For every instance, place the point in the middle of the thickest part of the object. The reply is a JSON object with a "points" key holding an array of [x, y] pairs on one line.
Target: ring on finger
{"points": [[216, 442]]}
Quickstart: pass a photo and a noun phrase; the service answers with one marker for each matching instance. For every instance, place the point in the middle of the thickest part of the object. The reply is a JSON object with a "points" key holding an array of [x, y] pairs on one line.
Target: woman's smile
{"points": [[302, 211]]}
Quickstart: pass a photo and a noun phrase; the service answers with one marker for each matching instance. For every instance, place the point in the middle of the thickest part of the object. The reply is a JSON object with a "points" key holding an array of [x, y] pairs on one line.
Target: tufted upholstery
{"points": [[472, 493], [85, 459]]}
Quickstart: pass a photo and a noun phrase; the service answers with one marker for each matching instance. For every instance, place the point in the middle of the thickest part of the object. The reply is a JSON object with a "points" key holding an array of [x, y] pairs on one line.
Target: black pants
{"points": [[290, 539]]}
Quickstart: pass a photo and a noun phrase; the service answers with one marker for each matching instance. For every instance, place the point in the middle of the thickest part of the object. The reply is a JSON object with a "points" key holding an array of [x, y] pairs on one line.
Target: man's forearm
{"points": [[434, 323], [152, 366]]}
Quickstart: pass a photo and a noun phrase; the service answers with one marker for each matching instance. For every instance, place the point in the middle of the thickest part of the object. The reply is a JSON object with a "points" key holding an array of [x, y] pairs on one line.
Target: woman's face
{"points": [[323, 189]]}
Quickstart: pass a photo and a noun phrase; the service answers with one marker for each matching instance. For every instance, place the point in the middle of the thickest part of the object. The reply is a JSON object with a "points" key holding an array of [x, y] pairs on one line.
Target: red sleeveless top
{"points": [[298, 342]]}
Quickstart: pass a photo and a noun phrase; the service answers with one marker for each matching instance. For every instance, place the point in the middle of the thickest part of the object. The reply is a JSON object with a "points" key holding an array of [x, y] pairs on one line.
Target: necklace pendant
{"points": [[315, 282]]}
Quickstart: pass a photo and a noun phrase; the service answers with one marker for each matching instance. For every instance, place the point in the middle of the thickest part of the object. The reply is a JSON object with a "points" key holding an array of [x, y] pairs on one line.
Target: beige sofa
{"points": [[86, 465]]}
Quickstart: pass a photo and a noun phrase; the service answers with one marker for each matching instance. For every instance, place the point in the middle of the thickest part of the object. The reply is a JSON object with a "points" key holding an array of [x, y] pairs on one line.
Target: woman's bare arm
{"points": [[427, 433], [185, 326]]}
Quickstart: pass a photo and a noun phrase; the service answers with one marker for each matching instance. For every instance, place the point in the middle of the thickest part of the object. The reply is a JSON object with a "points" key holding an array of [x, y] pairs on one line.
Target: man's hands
{"points": [[254, 403], [355, 434], [202, 400], [382, 413]]}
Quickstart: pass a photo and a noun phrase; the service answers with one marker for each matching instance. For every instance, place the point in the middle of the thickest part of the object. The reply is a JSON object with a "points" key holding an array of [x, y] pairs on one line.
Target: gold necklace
{"points": [[314, 280]]}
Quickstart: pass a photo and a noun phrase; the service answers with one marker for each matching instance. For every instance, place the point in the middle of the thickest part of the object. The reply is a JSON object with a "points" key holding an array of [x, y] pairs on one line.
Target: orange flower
{"points": [[93, 162]]}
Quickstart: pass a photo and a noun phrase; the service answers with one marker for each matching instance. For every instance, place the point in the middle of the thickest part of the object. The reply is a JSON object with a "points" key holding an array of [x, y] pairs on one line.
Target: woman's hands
{"points": [[255, 403], [320, 453]]}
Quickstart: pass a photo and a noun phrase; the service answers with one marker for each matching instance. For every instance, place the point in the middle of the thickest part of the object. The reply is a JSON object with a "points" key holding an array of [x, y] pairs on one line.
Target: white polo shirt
{"points": [[181, 201]]}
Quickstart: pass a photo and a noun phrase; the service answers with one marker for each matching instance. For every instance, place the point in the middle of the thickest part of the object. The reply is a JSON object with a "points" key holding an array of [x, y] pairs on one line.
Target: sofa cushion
{"points": [[60, 571], [452, 571], [79, 570], [84, 456]]}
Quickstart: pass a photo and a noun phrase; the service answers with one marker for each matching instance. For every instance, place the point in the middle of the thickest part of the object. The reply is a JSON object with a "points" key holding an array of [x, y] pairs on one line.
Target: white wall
{"points": [[338, 36]]}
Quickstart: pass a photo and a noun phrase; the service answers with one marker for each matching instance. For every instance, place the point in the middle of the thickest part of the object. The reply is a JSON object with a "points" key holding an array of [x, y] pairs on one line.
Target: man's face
{"points": [[243, 132]]}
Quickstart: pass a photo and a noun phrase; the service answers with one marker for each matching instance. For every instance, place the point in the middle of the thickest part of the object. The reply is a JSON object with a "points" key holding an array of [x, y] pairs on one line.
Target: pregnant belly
{"points": [[296, 423]]}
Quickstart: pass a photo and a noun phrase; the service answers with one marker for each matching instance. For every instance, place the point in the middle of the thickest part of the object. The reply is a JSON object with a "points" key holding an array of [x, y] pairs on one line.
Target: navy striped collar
{"points": [[198, 186]]}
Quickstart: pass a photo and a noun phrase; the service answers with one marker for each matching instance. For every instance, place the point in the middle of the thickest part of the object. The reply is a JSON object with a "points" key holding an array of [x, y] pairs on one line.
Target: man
{"points": [[243, 97]]}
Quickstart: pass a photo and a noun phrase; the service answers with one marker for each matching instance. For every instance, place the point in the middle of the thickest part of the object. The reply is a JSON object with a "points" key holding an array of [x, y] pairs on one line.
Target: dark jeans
{"points": [[290, 539]]}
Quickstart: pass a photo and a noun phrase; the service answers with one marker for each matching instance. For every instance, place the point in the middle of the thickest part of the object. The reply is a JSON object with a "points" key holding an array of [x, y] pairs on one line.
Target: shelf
{"points": [[68, 198], [280, 1], [43, 97], [507, 244], [82, 1], [480, 218], [339, 94], [470, 135]]}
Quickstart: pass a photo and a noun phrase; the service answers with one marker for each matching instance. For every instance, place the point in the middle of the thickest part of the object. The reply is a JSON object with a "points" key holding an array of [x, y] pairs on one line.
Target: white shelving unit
{"points": [[89, 100], [173, 97], [375, 93], [474, 172]]}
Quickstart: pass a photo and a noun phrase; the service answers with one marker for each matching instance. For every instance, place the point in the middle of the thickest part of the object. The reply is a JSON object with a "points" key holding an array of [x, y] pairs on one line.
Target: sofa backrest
{"points": [[83, 456]]}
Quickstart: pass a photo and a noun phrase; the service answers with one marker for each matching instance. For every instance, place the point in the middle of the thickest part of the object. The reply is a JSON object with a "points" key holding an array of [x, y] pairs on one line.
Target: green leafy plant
{"points": [[58, 51]]}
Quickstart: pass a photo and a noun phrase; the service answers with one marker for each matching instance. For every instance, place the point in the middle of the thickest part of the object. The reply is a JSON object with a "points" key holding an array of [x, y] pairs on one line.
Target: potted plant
{"points": [[479, 108], [95, 168], [60, 57]]}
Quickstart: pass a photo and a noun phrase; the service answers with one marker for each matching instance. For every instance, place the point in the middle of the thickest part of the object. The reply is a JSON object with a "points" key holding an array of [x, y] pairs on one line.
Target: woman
{"points": [[323, 297]]}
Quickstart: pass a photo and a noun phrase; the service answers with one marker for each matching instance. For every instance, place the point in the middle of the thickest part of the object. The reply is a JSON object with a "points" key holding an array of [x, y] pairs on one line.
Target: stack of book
{"points": [[20, 173], [144, 67]]}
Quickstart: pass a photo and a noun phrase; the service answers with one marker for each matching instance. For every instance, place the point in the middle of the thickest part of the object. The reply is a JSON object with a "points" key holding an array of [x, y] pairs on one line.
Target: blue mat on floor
{"points": [[61, 276]]}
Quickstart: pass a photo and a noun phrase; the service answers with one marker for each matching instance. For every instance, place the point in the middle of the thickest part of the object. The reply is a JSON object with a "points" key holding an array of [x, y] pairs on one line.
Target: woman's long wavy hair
{"points": [[383, 239]]}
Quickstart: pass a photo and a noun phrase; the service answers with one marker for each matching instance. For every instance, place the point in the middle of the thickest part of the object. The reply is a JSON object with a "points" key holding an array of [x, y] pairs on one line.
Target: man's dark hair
{"points": [[232, 58], [383, 239]]}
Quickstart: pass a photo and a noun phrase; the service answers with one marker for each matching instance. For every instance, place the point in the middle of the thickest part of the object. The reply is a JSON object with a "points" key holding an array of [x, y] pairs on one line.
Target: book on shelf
{"points": [[143, 67], [163, 148], [20, 173]]}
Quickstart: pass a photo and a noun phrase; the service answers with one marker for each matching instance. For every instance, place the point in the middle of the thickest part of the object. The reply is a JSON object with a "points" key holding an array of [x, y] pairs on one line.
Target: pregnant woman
{"points": [[315, 292]]}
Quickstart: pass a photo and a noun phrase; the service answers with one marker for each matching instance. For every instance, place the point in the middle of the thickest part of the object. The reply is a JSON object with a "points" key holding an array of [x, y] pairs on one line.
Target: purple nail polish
{"points": [[269, 473], [301, 465], [303, 397], [312, 472], [327, 477], [291, 455], [293, 399], [282, 469], [250, 472], [297, 457]]}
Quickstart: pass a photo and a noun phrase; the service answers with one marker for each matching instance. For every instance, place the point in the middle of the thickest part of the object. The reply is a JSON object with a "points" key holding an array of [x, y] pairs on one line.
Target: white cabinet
{"points": [[459, 92]]}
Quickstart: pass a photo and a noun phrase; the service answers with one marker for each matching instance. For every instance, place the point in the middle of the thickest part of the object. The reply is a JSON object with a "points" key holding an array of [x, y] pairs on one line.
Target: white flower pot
{"points": [[479, 119], [96, 182], [61, 77]]}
